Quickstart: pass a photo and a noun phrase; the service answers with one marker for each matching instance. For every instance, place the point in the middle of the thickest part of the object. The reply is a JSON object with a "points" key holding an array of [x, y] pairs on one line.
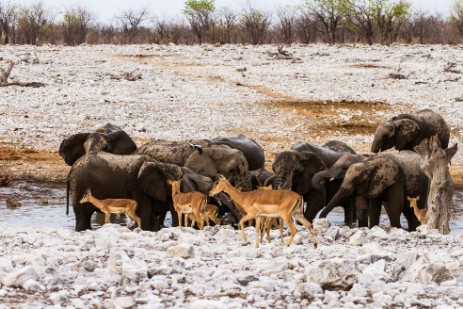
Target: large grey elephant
{"points": [[205, 160], [406, 131], [325, 179], [177, 152], [109, 138], [384, 179], [295, 168], [136, 177]]}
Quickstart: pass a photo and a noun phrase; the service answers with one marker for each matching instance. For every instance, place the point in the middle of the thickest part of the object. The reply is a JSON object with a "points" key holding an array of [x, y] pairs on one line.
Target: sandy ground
{"points": [[316, 94]]}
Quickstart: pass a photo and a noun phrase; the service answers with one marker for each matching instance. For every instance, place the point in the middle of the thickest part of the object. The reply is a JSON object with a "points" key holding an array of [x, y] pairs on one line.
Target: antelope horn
{"points": [[268, 179]]}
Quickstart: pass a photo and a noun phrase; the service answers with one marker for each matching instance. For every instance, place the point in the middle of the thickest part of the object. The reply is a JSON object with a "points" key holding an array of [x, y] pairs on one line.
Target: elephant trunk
{"points": [[335, 201], [320, 179], [282, 182], [376, 146]]}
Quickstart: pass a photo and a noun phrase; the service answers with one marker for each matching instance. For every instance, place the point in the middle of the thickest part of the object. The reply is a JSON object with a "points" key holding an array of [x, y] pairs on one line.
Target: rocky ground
{"points": [[314, 93]]}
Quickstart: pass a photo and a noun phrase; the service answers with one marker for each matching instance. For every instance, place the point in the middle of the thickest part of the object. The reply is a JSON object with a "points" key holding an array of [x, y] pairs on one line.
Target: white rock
{"points": [[333, 274], [307, 290], [124, 302], [374, 277], [183, 250], [358, 290], [17, 277], [379, 233], [358, 238]]}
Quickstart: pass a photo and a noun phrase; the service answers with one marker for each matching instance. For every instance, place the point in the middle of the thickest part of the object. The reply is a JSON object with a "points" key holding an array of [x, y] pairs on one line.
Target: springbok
{"points": [[113, 206], [266, 203], [419, 213], [189, 203], [211, 215]]}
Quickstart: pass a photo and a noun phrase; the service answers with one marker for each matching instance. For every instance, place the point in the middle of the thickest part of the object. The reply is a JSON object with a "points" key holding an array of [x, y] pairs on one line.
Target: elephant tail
{"points": [[67, 198]]}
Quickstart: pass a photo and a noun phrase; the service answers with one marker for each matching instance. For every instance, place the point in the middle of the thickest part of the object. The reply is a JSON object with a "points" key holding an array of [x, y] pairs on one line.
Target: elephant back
{"points": [[173, 152], [416, 182], [436, 125], [327, 155], [251, 150]]}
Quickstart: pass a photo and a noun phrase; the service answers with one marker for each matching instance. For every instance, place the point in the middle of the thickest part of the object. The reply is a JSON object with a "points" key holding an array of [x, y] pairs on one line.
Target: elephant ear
{"points": [[312, 165], [72, 148], [406, 132], [152, 179], [382, 173], [121, 143]]}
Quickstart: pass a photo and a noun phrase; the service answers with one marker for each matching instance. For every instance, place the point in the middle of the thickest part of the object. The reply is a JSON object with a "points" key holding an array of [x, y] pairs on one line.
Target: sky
{"points": [[105, 10]]}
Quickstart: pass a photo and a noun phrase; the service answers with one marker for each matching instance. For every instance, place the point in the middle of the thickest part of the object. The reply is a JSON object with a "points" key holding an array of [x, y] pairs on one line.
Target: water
{"points": [[44, 205]]}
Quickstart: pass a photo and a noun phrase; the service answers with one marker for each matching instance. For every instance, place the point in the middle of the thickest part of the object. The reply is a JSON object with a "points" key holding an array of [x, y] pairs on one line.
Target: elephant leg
{"points": [[362, 211], [83, 217], [146, 213], [348, 212], [315, 202], [374, 208], [394, 198]]}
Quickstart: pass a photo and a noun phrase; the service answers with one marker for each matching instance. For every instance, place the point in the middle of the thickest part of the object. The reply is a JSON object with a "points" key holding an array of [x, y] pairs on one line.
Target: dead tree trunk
{"points": [[436, 166]]}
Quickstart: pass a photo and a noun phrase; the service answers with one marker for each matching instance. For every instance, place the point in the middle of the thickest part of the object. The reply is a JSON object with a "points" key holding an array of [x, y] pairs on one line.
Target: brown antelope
{"points": [[113, 206], [419, 213], [211, 215], [266, 203], [189, 203], [270, 222]]}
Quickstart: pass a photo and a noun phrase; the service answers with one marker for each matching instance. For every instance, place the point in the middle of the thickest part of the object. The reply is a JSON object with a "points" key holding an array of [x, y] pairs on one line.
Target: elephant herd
{"points": [[110, 164]]}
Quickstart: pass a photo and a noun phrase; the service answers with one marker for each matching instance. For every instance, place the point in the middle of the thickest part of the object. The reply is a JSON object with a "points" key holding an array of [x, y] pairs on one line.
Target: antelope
{"points": [[211, 214], [269, 221], [189, 203], [266, 203], [113, 206], [419, 213]]}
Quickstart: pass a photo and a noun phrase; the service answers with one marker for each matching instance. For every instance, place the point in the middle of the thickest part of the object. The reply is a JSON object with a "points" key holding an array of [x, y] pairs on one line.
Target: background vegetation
{"points": [[329, 21]]}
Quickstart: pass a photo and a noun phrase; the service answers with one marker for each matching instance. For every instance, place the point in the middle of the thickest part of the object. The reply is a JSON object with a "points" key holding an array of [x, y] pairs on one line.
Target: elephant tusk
{"points": [[332, 179]]}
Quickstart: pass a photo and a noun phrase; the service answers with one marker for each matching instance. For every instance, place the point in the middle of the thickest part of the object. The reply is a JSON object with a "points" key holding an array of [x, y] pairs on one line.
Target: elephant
{"points": [[109, 138], [331, 178], [220, 159], [135, 177], [253, 152], [177, 152], [201, 157], [295, 168], [406, 131], [384, 179]]}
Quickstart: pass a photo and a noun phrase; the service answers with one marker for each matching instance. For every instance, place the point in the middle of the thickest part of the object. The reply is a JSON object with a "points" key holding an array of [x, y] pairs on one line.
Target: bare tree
{"points": [[161, 30], [199, 14], [7, 18], [256, 24], [331, 13], [456, 16], [362, 15], [76, 25], [286, 22], [389, 17], [226, 22], [130, 23], [32, 21], [306, 27]]}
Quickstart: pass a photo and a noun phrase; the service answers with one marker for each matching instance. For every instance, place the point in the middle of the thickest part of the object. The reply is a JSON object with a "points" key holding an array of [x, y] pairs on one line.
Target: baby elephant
{"points": [[113, 206]]}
